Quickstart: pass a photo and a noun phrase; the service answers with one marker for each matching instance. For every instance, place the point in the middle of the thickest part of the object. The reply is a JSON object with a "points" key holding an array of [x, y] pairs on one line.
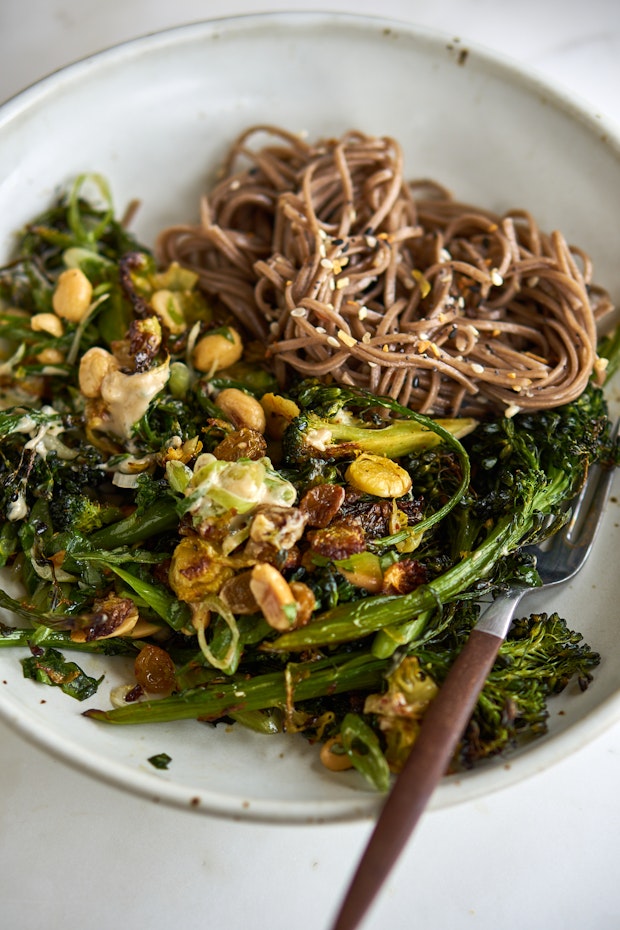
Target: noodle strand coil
{"points": [[346, 270]]}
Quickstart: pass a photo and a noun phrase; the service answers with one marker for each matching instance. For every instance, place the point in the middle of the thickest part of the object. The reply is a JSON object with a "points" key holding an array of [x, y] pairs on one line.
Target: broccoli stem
{"points": [[326, 677], [403, 437], [391, 637], [160, 517]]}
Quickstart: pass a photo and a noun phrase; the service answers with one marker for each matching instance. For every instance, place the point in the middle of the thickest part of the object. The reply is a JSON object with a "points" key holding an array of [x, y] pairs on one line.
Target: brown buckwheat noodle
{"points": [[346, 270]]}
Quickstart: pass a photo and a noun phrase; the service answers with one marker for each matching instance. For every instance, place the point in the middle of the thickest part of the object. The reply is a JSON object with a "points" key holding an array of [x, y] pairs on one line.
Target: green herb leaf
{"points": [[160, 761], [50, 667]]}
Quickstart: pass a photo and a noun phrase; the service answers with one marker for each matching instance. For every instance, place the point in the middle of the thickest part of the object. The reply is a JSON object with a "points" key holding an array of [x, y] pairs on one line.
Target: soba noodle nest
{"points": [[345, 270]]}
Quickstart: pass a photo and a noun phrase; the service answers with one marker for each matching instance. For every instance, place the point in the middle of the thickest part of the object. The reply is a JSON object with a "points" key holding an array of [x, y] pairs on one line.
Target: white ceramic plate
{"points": [[154, 116]]}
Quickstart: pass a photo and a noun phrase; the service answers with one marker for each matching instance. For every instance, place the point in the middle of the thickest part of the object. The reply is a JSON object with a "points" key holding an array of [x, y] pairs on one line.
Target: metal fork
{"points": [[448, 715]]}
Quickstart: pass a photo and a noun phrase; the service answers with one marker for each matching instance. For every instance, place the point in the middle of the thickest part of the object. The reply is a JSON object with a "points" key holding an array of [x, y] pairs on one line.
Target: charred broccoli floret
{"points": [[83, 515], [339, 422]]}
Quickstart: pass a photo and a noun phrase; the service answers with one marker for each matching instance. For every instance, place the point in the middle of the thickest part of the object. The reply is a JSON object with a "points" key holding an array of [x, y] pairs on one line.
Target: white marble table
{"points": [[541, 855]]}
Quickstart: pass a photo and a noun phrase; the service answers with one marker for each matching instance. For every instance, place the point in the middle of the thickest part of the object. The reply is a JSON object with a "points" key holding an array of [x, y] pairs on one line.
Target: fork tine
{"points": [[593, 497], [570, 548]]}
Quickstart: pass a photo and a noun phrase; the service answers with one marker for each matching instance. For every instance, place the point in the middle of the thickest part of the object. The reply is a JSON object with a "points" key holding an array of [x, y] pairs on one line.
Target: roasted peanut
{"points": [[47, 323], [242, 409], [378, 475], [274, 596], [217, 350], [50, 357], [72, 296], [95, 364]]}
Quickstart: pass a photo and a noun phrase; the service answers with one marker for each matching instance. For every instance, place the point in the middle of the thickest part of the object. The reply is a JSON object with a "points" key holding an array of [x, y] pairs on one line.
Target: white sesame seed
{"points": [[321, 330], [235, 184], [477, 368], [332, 341], [496, 277], [298, 311], [371, 241], [327, 263], [511, 411], [362, 313], [366, 338]]}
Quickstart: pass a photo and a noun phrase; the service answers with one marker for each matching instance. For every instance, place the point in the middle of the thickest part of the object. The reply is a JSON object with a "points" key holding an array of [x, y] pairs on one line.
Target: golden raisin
{"points": [[322, 503], [154, 670]]}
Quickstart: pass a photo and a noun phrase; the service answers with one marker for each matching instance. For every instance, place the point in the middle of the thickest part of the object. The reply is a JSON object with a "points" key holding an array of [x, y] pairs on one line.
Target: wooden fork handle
{"points": [[444, 723]]}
